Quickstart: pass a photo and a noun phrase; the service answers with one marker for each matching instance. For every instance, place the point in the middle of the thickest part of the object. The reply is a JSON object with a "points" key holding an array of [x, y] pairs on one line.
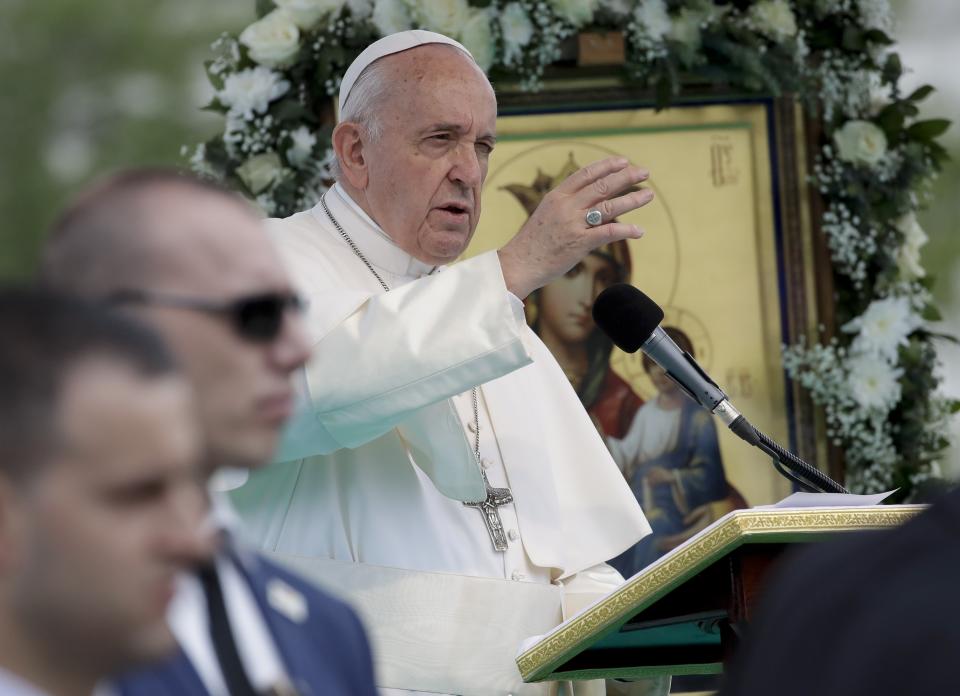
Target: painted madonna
{"points": [[666, 448]]}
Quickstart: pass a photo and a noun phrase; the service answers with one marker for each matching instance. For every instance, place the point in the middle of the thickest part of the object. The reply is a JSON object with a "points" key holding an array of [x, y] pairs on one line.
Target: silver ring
{"points": [[594, 217]]}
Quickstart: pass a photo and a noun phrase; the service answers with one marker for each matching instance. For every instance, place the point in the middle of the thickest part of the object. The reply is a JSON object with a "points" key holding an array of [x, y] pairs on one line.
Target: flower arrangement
{"points": [[875, 379]]}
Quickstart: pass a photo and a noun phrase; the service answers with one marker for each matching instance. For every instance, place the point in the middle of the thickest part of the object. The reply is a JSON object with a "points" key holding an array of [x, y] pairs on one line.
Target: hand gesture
{"points": [[558, 234]]}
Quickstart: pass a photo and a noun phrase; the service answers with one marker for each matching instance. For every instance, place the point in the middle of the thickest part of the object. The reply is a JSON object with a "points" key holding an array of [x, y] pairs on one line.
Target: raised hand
{"points": [[557, 235]]}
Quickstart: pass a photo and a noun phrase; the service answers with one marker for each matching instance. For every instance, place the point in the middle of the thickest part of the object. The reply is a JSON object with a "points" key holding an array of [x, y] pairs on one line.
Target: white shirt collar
{"points": [[373, 241]]}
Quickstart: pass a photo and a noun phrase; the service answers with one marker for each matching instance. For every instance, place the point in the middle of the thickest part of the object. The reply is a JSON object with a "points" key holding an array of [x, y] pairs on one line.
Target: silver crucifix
{"points": [[496, 497]]}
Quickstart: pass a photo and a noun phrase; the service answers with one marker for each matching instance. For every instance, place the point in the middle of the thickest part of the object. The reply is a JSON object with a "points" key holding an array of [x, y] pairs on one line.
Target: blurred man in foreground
{"points": [[195, 263], [100, 501]]}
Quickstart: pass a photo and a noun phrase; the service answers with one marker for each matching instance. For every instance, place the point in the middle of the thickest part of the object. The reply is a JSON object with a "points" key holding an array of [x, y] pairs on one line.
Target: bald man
{"points": [[193, 261]]}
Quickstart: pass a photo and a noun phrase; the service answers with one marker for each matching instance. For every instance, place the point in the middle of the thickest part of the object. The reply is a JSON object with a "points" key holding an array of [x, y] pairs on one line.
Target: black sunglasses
{"points": [[256, 318]]}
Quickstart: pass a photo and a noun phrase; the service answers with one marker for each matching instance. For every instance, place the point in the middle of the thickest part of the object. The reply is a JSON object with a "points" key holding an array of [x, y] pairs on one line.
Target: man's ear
{"points": [[349, 146]]}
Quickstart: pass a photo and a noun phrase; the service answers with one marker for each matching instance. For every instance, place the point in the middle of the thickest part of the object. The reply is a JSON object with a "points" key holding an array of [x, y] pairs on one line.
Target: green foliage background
{"points": [[93, 85]]}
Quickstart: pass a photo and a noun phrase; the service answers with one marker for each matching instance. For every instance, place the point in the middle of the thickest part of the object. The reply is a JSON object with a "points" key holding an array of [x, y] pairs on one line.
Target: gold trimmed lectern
{"points": [[682, 614]]}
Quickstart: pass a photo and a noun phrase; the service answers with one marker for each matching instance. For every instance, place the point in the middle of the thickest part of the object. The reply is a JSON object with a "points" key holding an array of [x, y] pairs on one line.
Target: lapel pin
{"points": [[287, 600]]}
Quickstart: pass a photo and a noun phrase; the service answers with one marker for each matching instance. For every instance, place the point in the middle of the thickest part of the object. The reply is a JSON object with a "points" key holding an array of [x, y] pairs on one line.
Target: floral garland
{"points": [[875, 379]]}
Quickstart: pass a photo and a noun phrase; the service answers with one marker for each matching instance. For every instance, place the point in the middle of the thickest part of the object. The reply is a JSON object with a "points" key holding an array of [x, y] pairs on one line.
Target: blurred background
{"points": [[95, 85]]}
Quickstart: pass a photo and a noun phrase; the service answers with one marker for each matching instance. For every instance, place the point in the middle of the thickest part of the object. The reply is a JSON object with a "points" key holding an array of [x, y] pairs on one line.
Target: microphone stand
{"points": [[807, 477]]}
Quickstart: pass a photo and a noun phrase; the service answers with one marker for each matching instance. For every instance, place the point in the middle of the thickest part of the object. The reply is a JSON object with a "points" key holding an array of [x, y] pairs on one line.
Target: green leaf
{"points": [[928, 130], [890, 119], [878, 37], [289, 110], [215, 106], [954, 405], [854, 39], [931, 313], [892, 70], [938, 153], [944, 337], [264, 7], [920, 93]]}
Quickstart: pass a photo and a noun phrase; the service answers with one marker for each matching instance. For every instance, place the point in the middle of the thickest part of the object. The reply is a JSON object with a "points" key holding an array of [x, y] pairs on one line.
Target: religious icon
{"points": [[666, 448]]}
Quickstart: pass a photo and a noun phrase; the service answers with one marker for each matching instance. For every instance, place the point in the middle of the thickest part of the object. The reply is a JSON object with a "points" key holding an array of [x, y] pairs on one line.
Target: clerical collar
{"points": [[375, 243]]}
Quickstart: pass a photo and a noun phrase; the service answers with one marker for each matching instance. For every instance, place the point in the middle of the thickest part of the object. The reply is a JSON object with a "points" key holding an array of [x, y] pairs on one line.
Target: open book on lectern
{"points": [[670, 617]]}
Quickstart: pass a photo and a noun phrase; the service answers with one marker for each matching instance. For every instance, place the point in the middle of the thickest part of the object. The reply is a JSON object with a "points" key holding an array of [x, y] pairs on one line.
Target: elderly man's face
{"points": [[425, 172]]}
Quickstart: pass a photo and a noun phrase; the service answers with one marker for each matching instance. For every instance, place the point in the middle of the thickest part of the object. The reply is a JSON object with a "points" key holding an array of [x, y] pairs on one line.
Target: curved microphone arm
{"points": [[787, 463]]}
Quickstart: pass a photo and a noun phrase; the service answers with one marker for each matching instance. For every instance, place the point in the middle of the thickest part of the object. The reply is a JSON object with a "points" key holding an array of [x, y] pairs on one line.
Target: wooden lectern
{"points": [[682, 614]]}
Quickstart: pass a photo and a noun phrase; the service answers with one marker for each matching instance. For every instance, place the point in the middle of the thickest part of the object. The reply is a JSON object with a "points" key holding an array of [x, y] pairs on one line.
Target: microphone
{"points": [[632, 321]]}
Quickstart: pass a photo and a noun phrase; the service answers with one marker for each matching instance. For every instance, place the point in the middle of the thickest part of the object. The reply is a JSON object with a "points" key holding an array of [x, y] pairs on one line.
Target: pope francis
{"points": [[442, 474]]}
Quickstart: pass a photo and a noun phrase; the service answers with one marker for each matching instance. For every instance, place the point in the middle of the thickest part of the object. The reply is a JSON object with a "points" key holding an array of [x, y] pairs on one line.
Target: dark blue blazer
{"points": [[325, 654]]}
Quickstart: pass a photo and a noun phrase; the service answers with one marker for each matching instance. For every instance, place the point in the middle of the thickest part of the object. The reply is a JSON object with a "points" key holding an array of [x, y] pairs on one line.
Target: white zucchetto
{"points": [[388, 45]]}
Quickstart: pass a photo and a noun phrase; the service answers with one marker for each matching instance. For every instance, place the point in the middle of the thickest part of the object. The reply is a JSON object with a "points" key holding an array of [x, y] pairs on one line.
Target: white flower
{"points": [[301, 151], [360, 9], [874, 384], [447, 17], [517, 30], [875, 14], [653, 19], [619, 8], [273, 40], [883, 327], [260, 171], [860, 142], [477, 36], [908, 256], [251, 91], [577, 12], [391, 16], [306, 13], [686, 29], [774, 19]]}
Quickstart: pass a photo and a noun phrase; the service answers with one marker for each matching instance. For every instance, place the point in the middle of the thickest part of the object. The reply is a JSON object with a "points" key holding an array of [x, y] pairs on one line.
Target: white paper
{"points": [[807, 500]]}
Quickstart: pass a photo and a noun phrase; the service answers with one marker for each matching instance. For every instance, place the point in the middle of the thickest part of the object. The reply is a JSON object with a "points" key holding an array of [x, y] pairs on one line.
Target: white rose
{"points": [[251, 91], [516, 29], [873, 382], [653, 18], [477, 36], [908, 256], [875, 14], [391, 16], [306, 13], [686, 29], [447, 17], [301, 149], [619, 8], [860, 142], [273, 40], [577, 12], [774, 19], [360, 9], [260, 171]]}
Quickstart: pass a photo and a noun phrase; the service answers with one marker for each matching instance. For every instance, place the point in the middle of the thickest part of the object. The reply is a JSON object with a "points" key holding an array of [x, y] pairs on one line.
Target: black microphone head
{"points": [[627, 316]]}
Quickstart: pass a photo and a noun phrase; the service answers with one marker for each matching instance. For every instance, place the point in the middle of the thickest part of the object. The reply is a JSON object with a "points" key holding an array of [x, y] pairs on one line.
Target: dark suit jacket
{"points": [[876, 613], [325, 654]]}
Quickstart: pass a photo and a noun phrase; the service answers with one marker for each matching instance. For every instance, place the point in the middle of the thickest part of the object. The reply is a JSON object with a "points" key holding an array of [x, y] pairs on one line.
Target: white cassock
{"points": [[368, 499]]}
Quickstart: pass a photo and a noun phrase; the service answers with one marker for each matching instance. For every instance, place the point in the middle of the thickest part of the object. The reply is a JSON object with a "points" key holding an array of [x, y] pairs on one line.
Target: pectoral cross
{"points": [[496, 497]]}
